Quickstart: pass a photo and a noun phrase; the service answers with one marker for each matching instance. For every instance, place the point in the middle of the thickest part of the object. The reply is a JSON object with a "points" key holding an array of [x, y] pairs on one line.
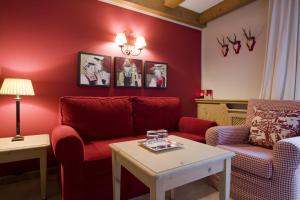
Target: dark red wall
{"points": [[40, 40]]}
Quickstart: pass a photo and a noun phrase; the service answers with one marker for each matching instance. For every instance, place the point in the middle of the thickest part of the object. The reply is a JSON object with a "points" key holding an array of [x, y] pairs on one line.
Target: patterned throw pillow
{"points": [[270, 126]]}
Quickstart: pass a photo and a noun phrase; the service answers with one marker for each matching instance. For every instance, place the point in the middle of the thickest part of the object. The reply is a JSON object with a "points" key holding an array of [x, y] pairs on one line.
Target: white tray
{"points": [[161, 145]]}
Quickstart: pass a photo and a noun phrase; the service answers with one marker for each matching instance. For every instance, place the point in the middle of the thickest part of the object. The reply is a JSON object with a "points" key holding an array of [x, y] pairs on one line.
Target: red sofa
{"points": [[89, 124]]}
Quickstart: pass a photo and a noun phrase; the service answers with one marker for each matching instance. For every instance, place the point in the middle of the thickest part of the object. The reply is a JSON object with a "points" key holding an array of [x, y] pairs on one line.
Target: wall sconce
{"points": [[128, 49]]}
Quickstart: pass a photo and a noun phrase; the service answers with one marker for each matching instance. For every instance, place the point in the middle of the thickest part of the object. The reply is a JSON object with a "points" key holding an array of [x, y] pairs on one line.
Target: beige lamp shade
{"points": [[13, 86], [140, 42], [121, 39]]}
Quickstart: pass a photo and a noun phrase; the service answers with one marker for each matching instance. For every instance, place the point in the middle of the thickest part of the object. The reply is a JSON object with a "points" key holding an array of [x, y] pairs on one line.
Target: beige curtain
{"points": [[281, 78]]}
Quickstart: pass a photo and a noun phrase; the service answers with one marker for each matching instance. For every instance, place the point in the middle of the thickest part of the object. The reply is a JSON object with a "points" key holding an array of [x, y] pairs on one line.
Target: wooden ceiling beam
{"points": [[157, 7], [220, 9], [173, 3]]}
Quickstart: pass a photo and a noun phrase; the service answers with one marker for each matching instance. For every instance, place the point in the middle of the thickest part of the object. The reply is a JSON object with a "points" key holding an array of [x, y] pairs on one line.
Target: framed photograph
{"points": [[156, 74], [94, 70], [128, 72]]}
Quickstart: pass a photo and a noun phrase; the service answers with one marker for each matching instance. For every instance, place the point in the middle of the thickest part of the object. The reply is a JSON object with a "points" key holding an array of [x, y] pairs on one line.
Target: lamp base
{"points": [[18, 138]]}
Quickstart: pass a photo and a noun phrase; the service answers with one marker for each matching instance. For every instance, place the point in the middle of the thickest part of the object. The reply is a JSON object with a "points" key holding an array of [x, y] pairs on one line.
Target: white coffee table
{"points": [[167, 170]]}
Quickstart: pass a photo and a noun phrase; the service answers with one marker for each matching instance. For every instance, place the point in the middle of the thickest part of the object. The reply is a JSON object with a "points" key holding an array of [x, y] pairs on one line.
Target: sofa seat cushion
{"points": [[252, 159], [97, 118], [152, 113], [190, 136], [97, 155], [99, 149], [97, 169]]}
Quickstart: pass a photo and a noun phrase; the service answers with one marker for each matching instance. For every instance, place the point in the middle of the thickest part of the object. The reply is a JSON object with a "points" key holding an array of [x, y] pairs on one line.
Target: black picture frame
{"points": [[96, 77], [150, 80], [128, 72]]}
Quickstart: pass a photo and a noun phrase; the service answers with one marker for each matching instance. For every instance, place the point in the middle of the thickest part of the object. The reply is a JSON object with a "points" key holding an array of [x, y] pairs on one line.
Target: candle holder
{"points": [[200, 94], [208, 94]]}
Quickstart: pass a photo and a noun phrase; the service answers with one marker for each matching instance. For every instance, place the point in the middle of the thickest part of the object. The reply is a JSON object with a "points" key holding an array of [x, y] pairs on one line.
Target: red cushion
{"points": [[190, 136], [152, 113], [99, 149], [97, 117]]}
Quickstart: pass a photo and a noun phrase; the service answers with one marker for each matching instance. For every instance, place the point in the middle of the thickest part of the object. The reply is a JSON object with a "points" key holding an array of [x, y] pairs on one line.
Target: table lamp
{"points": [[18, 87]]}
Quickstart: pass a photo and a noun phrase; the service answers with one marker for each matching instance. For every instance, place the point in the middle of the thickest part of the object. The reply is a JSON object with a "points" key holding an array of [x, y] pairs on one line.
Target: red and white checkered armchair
{"points": [[257, 172]]}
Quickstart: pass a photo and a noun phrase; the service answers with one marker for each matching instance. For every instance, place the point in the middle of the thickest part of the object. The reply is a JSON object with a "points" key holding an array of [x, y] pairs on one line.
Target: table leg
{"points": [[156, 192], [116, 168], [43, 172], [225, 180]]}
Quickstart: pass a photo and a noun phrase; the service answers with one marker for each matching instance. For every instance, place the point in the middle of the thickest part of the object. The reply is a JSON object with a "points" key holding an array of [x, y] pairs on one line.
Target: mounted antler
{"points": [[250, 39], [236, 44], [224, 46]]}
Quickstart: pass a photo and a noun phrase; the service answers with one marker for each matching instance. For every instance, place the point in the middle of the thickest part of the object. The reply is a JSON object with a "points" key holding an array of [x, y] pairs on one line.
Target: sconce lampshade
{"points": [[121, 39], [12, 86], [129, 49], [140, 42]]}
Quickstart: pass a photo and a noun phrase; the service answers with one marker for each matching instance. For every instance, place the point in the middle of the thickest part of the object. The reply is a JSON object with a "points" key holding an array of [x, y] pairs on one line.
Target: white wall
{"points": [[237, 76]]}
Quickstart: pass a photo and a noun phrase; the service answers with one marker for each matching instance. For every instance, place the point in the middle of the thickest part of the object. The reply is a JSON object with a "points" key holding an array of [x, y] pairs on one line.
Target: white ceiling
{"points": [[199, 5]]}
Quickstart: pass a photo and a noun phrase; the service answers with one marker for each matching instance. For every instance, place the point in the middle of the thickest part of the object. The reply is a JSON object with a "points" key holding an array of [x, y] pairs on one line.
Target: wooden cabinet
{"points": [[224, 112]]}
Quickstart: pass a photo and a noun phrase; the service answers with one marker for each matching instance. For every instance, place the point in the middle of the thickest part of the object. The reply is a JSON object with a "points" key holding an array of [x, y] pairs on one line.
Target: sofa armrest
{"points": [[67, 144], [220, 135], [195, 125], [286, 154]]}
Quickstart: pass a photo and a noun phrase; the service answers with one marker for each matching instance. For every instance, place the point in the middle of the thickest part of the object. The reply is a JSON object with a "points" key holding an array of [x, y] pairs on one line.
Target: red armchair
{"points": [[89, 124]]}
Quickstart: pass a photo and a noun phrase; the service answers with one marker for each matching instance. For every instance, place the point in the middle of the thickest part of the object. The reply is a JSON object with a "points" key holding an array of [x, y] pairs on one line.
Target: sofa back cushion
{"points": [[97, 117], [152, 113]]}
